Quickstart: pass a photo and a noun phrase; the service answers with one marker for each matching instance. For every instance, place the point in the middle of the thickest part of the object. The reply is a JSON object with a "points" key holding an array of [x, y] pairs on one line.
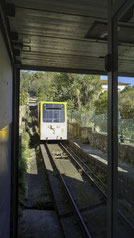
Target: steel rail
{"points": [[124, 218], [85, 173], [76, 209], [87, 167]]}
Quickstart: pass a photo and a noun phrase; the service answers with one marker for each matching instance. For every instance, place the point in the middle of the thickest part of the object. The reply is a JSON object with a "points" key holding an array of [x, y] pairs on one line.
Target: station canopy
{"points": [[67, 35]]}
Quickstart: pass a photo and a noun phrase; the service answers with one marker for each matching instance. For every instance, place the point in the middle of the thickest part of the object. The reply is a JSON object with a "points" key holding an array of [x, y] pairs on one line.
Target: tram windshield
{"points": [[53, 113]]}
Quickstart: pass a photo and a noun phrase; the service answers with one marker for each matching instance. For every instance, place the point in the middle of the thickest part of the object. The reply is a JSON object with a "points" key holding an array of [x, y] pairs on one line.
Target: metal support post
{"points": [[112, 125], [114, 16], [15, 154]]}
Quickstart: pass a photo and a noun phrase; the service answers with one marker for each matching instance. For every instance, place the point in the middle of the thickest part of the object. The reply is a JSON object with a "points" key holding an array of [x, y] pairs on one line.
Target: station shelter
{"points": [[84, 36]]}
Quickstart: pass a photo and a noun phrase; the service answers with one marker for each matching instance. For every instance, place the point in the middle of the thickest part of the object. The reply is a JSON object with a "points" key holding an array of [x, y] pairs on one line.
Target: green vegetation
{"points": [[73, 88], [126, 103], [101, 103], [79, 91], [125, 108], [85, 100], [25, 78], [24, 155], [24, 96]]}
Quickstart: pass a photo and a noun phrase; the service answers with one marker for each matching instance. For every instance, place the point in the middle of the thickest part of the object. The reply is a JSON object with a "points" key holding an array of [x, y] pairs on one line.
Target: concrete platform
{"points": [[38, 194], [39, 224]]}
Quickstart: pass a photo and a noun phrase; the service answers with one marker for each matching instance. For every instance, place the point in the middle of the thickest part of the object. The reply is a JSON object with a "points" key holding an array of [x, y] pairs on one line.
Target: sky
{"points": [[122, 79]]}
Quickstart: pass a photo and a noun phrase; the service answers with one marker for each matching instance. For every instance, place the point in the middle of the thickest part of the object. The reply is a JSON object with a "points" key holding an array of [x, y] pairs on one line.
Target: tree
{"points": [[126, 103], [24, 81], [79, 91], [91, 88], [25, 78], [101, 104], [42, 86]]}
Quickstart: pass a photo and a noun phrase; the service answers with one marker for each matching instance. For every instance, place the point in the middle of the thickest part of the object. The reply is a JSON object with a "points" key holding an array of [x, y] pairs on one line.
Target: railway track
{"points": [[85, 230], [100, 186], [88, 172], [80, 201]]}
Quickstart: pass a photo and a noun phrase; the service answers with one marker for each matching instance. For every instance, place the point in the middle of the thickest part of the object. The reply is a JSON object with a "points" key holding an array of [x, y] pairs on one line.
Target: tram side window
{"points": [[53, 113]]}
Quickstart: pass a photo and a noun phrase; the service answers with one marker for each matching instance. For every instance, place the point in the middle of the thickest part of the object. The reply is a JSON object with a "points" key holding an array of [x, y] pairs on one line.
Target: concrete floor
{"points": [[39, 224]]}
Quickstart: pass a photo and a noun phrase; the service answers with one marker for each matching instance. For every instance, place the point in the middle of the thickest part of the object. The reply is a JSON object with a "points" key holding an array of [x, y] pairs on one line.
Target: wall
{"points": [[126, 188], [5, 138], [99, 141]]}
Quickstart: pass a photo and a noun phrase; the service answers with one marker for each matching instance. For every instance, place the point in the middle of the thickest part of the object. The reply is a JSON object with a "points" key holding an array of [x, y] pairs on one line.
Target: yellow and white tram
{"points": [[52, 120]]}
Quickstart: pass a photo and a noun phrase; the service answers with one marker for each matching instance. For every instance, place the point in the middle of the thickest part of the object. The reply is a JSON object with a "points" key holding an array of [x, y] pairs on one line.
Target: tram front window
{"points": [[53, 113]]}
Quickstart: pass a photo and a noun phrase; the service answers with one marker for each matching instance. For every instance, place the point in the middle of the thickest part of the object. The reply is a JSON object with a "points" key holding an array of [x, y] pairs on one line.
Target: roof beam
{"points": [[5, 32], [57, 69]]}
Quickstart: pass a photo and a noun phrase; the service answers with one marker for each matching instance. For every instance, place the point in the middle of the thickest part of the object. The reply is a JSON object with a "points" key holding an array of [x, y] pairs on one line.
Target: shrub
{"points": [[22, 167]]}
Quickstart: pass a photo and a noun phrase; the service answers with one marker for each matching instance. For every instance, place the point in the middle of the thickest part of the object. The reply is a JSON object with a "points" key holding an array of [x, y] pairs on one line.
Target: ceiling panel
{"points": [[80, 7], [51, 33]]}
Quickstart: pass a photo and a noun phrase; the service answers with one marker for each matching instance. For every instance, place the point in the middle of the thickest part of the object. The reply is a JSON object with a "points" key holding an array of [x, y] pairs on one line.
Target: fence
{"points": [[99, 124], [83, 118]]}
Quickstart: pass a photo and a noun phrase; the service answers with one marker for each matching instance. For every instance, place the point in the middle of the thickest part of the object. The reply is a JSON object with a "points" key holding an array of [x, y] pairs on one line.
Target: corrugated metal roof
{"points": [[52, 35]]}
